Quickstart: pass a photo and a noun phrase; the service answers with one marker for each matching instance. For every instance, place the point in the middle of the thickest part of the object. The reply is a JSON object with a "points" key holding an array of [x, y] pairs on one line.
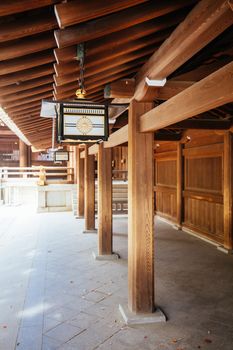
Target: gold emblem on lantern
{"points": [[84, 125]]}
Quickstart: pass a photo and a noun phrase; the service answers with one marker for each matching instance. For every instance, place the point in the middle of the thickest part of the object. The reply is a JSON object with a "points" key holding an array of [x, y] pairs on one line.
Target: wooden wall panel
{"points": [[166, 173], [165, 185], [202, 194], [204, 174], [120, 162], [204, 217]]}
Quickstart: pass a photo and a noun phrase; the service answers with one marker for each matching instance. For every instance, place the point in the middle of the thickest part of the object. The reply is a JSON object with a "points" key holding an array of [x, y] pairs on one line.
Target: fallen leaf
{"points": [[207, 340]]}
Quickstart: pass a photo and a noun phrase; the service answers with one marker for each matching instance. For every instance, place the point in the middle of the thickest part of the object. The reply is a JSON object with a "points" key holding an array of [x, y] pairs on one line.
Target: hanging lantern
{"points": [[82, 122]]}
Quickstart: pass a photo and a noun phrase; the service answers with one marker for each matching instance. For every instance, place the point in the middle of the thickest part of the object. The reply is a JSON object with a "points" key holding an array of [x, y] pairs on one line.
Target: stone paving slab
{"points": [[54, 295]]}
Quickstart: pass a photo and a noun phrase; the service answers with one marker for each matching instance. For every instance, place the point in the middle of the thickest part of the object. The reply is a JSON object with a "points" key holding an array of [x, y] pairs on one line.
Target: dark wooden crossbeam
{"points": [[26, 75], [113, 23]]}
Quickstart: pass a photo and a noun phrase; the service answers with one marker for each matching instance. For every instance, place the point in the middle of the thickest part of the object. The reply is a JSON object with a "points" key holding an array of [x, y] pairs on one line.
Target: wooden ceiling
{"points": [[38, 49]]}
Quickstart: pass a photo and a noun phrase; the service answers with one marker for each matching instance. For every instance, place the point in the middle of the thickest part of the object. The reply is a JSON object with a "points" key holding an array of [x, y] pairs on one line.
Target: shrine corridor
{"points": [[54, 295]]}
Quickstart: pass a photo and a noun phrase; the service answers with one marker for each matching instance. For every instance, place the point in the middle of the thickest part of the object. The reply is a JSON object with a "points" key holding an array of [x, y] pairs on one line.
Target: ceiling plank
{"points": [[205, 22], [113, 23], [211, 92], [26, 75], [14, 88], [16, 6], [18, 97], [24, 62], [29, 25], [27, 46], [112, 40], [78, 11]]}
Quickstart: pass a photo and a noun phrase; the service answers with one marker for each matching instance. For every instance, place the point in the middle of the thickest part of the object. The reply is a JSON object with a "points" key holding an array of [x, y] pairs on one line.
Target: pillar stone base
{"points": [[113, 256], [131, 318], [90, 231], [225, 250]]}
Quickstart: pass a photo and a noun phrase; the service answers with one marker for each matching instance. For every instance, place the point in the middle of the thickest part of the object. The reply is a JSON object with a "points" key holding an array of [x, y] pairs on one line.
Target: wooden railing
{"points": [[47, 174]]}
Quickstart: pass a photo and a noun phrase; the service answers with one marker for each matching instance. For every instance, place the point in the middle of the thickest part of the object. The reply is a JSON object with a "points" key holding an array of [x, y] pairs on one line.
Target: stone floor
{"points": [[54, 295]]}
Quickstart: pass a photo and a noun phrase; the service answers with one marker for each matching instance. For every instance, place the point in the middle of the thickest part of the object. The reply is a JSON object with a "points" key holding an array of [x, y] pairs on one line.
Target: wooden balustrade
{"points": [[52, 174]]}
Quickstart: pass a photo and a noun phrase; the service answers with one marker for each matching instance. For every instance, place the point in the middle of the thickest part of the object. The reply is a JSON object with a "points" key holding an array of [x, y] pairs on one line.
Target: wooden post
{"points": [[23, 154], [89, 191], [80, 184], [179, 184], [140, 213], [104, 200], [228, 190]]}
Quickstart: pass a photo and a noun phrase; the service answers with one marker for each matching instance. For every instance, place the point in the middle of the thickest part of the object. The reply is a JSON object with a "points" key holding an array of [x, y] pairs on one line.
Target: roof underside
{"points": [[38, 58]]}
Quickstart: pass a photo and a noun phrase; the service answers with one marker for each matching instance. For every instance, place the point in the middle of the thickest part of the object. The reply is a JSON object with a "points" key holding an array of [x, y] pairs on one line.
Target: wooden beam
{"points": [[31, 102], [19, 28], [93, 149], [15, 88], [113, 23], [205, 22], [107, 63], [22, 96], [27, 46], [117, 138], [89, 191], [123, 88], [25, 62], [108, 42], [80, 184], [74, 12], [104, 200], [228, 190], [120, 89], [171, 88], [16, 6], [211, 92], [140, 214], [25, 75]]}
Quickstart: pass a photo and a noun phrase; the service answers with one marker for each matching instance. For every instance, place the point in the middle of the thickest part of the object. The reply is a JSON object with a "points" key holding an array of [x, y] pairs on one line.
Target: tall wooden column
{"points": [[228, 190], [179, 185], [80, 184], [89, 192], [23, 154], [104, 200], [140, 213]]}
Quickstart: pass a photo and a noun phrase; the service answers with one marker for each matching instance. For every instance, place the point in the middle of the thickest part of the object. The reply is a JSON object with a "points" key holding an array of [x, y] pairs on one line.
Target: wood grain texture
{"points": [[89, 191], [80, 184], [205, 22], [211, 92], [140, 214], [27, 46], [16, 6], [228, 190], [113, 23], [27, 26], [74, 12], [104, 200]]}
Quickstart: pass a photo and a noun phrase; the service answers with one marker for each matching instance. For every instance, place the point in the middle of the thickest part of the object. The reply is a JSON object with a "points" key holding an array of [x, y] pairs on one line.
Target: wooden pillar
{"points": [[140, 213], [228, 190], [80, 184], [29, 156], [104, 200], [76, 155], [179, 185], [89, 191], [23, 154]]}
